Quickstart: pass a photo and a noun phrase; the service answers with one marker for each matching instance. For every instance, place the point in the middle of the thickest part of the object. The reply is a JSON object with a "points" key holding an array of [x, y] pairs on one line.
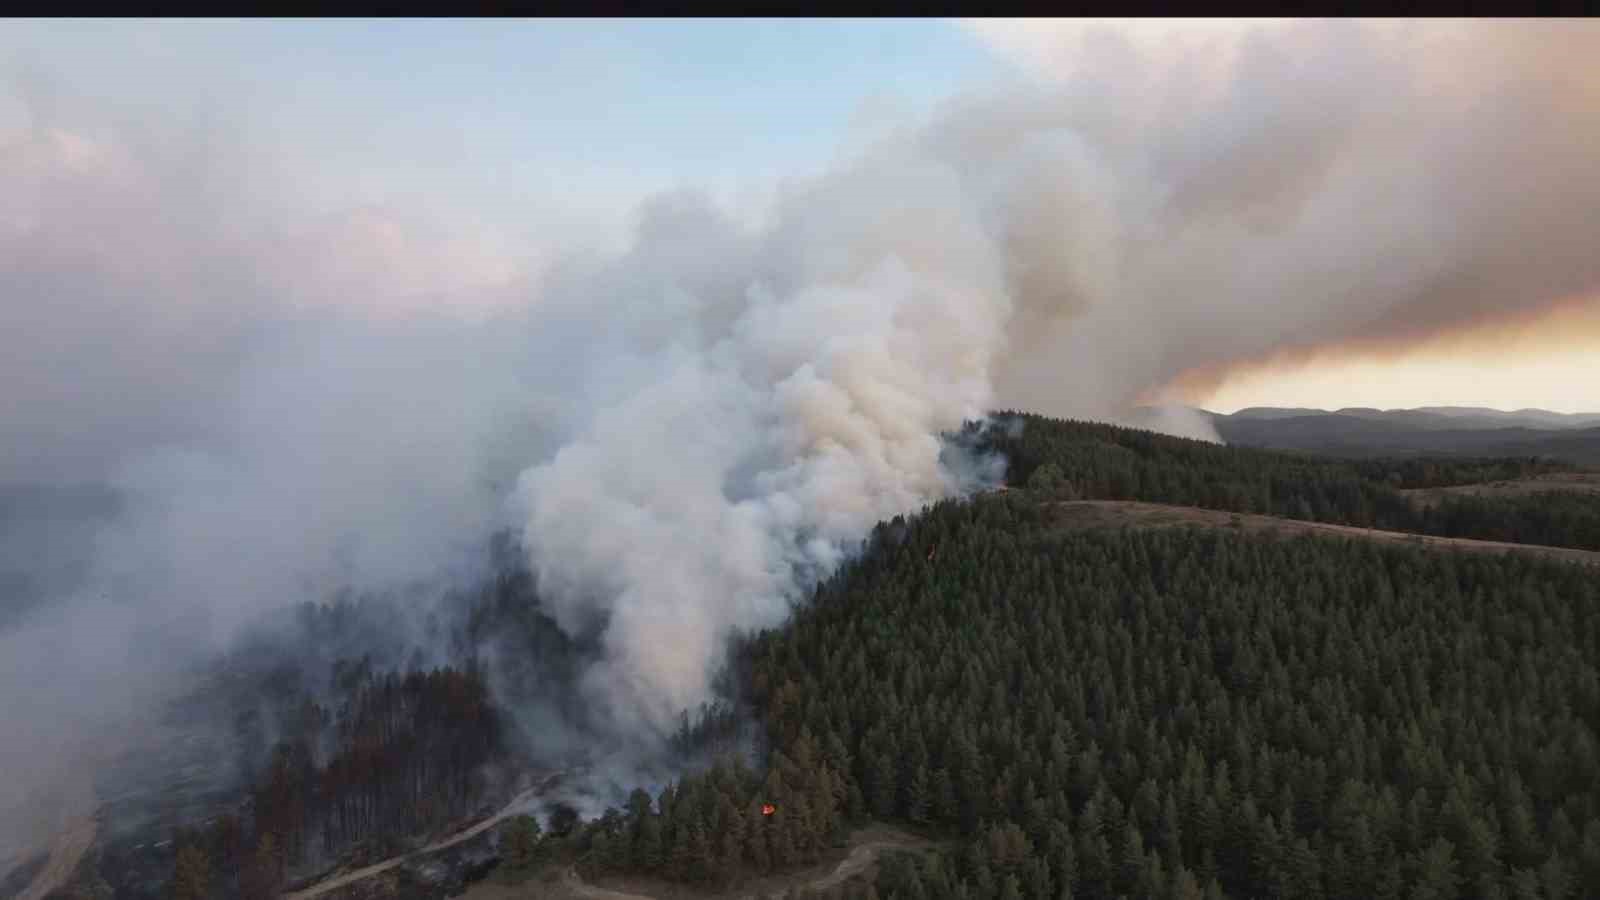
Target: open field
{"points": [[1115, 513]]}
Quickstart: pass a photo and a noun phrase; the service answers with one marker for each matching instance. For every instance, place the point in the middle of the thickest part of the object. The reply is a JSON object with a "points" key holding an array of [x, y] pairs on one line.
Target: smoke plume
{"points": [[688, 433], [1269, 190]]}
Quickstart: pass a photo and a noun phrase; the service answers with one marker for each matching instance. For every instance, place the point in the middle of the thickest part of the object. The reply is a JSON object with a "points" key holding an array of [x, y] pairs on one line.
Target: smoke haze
{"points": [[688, 433]]}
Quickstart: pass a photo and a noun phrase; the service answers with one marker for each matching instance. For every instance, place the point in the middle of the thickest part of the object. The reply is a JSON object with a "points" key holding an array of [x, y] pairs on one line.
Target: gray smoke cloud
{"points": [[275, 409], [1193, 202], [690, 432]]}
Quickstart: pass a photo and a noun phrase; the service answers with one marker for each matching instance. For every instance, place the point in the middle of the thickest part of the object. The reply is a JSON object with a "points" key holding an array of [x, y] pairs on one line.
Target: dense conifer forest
{"points": [[1173, 714]]}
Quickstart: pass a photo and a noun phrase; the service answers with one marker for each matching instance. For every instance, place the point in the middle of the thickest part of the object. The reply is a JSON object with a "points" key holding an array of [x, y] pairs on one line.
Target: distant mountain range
{"points": [[1429, 430], [1452, 418]]}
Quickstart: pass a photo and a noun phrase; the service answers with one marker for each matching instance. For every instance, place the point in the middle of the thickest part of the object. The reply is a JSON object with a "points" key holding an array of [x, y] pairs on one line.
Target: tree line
{"points": [[1092, 461]]}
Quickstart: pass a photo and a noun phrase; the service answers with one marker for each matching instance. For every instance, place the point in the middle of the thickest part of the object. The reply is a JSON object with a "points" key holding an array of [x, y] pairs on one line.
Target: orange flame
{"points": [[768, 809]]}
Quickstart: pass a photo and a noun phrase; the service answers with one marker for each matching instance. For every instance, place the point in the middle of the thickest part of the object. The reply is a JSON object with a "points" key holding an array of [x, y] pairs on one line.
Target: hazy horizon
{"points": [[1234, 408]]}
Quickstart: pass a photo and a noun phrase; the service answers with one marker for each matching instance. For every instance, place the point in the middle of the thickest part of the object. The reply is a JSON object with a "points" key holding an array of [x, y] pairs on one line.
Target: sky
{"points": [[527, 127], [521, 137]]}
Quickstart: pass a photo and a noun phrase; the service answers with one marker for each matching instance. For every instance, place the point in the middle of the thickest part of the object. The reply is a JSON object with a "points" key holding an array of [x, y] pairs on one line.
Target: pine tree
{"points": [[943, 792], [521, 842], [1131, 859], [191, 876], [1436, 877], [1555, 878], [649, 848], [1521, 834], [701, 865], [1063, 858], [265, 872], [1094, 853], [1153, 880], [1524, 885], [883, 787], [1185, 886], [920, 796], [1589, 853], [1389, 884], [1035, 874], [1301, 870]]}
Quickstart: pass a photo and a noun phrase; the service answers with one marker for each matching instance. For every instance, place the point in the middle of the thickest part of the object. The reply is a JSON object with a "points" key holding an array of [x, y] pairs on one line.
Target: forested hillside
{"points": [[1091, 461], [1086, 714], [1176, 714], [354, 741], [405, 755]]}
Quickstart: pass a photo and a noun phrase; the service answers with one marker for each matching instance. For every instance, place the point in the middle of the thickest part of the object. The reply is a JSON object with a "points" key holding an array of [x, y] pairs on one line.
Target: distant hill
{"points": [[1537, 418], [1431, 417], [1366, 432]]}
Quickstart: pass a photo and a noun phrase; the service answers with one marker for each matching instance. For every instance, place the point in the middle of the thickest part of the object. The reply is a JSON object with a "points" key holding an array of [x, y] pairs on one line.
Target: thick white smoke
{"points": [[769, 423]]}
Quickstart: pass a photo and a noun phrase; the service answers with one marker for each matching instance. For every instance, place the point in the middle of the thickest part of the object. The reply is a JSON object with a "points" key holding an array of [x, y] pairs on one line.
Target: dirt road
{"points": [[866, 846], [1113, 513], [863, 855], [578, 888], [339, 881]]}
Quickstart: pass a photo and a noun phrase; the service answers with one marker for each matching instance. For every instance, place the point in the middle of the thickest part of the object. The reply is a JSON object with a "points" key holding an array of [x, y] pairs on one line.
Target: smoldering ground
{"points": [[688, 433]]}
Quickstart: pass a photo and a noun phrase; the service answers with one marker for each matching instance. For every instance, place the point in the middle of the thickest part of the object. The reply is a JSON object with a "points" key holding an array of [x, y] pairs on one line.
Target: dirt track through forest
{"points": [[510, 809], [866, 846], [862, 856], [578, 888], [1085, 514]]}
